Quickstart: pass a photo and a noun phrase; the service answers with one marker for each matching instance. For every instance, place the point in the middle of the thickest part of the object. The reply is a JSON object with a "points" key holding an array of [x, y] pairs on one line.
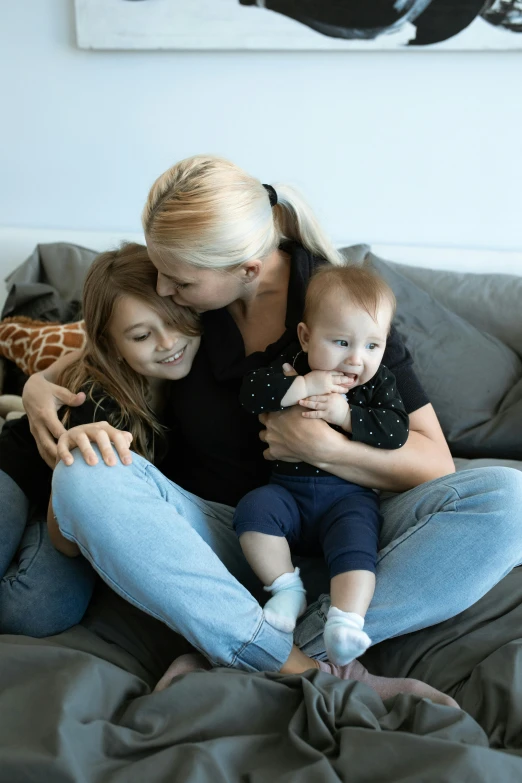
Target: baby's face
{"points": [[345, 338]]}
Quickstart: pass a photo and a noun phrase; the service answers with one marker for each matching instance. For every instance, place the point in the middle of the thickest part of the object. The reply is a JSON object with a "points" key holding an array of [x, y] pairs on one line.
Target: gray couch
{"points": [[79, 707]]}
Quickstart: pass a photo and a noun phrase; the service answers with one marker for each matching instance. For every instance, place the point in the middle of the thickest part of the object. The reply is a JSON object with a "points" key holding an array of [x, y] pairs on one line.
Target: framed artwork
{"points": [[300, 24]]}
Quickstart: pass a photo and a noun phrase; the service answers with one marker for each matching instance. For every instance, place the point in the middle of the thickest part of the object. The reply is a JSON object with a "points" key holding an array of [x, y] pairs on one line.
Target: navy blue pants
{"points": [[316, 513]]}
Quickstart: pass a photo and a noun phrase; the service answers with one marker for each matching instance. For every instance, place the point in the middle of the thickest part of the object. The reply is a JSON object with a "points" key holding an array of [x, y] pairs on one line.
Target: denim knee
{"points": [[81, 490], [43, 592], [498, 493], [506, 483]]}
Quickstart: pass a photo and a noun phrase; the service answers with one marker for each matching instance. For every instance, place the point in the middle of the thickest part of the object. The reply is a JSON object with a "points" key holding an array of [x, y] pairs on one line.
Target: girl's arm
{"points": [[42, 398], [60, 543], [425, 455]]}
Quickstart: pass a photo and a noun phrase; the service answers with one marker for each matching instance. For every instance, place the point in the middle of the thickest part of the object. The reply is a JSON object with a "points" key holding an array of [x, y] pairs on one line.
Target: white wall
{"points": [[403, 147]]}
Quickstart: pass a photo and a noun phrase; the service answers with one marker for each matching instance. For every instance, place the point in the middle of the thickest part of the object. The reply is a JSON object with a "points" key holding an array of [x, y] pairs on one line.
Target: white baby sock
{"points": [[288, 601], [344, 637]]}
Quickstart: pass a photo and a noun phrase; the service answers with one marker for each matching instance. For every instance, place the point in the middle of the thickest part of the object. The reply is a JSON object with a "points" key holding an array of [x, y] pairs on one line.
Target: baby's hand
{"points": [[325, 382], [333, 408]]}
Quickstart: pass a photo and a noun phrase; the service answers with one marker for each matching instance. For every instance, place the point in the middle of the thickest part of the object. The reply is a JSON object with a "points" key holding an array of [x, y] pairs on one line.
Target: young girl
{"points": [[137, 342], [338, 355]]}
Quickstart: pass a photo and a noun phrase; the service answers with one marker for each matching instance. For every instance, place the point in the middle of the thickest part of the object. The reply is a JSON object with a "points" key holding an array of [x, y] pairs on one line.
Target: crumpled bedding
{"points": [[78, 707]]}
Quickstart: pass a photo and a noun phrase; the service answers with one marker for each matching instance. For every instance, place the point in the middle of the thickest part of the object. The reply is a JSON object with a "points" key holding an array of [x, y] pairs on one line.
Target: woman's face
{"points": [[150, 346], [191, 286]]}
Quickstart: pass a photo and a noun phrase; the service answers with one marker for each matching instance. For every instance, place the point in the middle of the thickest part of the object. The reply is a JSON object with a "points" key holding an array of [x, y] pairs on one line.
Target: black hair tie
{"points": [[272, 195]]}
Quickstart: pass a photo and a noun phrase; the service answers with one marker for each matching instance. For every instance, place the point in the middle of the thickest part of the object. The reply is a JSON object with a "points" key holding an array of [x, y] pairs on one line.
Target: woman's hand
{"points": [[292, 438], [104, 435], [41, 400]]}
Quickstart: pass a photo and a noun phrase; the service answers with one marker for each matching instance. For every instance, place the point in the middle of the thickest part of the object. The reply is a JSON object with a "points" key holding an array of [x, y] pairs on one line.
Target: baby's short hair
{"points": [[360, 284]]}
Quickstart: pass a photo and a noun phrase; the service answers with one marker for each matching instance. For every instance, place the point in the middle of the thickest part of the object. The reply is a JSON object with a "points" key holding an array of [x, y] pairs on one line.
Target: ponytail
{"points": [[207, 212], [296, 220]]}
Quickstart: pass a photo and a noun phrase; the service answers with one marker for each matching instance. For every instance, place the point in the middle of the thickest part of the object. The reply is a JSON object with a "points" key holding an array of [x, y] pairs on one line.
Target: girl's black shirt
{"points": [[19, 456], [215, 451]]}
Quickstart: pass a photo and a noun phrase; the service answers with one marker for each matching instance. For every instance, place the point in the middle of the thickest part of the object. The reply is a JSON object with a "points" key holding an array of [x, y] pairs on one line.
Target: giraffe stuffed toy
{"points": [[35, 345]]}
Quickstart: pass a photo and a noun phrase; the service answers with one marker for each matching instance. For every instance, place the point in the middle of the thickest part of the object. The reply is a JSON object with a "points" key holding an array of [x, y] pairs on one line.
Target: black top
{"points": [[377, 411], [216, 452], [19, 456], [371, 405]]}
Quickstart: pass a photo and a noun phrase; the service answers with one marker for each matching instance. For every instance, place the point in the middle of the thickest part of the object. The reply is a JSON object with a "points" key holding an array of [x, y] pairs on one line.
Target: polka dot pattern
{"points": [[378, 416]]}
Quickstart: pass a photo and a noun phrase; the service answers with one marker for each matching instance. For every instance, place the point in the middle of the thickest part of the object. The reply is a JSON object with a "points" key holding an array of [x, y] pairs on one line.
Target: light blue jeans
{"points": [[42, 592], [443, 546]]}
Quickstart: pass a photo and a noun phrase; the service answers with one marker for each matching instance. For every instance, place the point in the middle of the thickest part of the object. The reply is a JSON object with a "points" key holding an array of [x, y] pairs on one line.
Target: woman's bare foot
{"points": [[387, 687], [298, 662], [191, 662]]}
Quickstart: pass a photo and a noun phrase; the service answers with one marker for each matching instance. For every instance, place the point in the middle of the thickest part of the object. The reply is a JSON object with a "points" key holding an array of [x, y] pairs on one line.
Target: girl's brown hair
{"points": [[127, 271]]}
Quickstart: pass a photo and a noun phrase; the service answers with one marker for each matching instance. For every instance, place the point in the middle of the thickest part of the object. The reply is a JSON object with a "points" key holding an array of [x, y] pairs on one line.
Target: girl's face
{"points": [[191, 286], [150, 346]]}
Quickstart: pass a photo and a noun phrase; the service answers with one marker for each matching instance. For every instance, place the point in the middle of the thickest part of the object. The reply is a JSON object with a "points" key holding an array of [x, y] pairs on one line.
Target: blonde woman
{"points": [[241, 254]]}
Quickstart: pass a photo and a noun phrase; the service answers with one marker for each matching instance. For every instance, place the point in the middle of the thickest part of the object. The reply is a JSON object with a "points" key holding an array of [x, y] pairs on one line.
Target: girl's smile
{"points": [[175, 358]]}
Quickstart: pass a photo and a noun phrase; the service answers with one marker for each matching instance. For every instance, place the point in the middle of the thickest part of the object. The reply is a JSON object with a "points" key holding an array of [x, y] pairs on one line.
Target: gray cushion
{"points": [[492, 303], [58, 264], [473, 380]]}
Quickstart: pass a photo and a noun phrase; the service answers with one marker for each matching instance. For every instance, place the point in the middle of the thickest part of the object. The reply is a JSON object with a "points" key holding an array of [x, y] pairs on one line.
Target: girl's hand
{"points": [[325, 382], [41, 401], [103, 434], [333, 408]]}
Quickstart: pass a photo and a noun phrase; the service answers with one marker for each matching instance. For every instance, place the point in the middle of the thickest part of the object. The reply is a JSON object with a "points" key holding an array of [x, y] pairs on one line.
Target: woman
{"points": [[217, 238]]}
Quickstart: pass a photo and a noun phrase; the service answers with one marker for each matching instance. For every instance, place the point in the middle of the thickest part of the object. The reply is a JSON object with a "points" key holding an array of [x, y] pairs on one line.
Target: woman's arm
{"points": [[57, 540], [42, 398], [424, 457]]}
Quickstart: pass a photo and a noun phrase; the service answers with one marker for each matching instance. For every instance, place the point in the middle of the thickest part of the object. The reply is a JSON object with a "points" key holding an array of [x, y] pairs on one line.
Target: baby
{"points": [[347, 318]]}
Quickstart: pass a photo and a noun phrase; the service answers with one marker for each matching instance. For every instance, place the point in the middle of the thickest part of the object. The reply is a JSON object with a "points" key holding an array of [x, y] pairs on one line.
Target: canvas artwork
{"points": [[424, 25]]}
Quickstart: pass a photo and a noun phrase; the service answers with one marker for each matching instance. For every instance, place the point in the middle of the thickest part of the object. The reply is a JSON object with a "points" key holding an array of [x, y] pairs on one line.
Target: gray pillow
{"points": [[472, 379], [58, 264], [491, 302]]}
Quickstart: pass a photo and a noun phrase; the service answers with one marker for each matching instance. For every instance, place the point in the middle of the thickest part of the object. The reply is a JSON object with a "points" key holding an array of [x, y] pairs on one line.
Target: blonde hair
{"points": [[360, 285], [209, 213], [124, 272]]}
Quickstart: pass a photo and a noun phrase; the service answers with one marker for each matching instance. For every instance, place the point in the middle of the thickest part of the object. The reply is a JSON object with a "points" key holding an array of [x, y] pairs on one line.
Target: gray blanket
{"points": [[78, 707]]}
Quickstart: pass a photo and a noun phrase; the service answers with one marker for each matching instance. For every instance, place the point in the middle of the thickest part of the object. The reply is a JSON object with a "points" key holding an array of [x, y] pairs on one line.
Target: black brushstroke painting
{"points": [[434, 20]]}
